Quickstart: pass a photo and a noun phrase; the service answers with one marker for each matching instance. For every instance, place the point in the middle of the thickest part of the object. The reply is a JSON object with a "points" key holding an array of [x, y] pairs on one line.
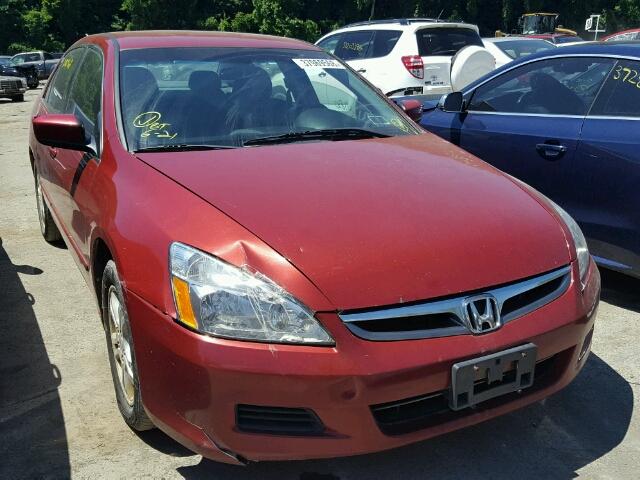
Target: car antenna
{"points": [[439, 15]]}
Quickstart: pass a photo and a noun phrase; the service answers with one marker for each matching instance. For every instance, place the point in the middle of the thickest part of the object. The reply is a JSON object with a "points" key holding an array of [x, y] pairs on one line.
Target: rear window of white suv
{"points": [[445, 41]]}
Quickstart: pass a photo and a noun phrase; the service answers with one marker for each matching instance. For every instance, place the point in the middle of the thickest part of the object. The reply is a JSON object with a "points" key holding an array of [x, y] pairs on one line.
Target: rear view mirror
{"points": [[452, 102], [62, 131], [413, 108]]}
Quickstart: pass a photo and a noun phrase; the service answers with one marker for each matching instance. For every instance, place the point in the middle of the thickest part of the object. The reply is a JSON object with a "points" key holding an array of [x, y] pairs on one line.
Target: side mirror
{"points": [[452, 102], [413, 108], [61, 130]]}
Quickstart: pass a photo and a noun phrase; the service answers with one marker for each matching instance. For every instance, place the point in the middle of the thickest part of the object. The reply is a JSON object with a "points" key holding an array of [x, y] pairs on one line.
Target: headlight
{"points": [[219, 299], [582, 251]]}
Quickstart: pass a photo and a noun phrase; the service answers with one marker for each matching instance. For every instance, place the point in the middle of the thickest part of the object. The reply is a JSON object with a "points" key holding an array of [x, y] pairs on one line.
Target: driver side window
{"points": [[85, 96], [559, 86]]}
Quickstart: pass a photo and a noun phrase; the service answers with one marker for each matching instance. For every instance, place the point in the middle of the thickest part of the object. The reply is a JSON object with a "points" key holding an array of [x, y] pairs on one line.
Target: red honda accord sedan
{"points": [[286, 266]]}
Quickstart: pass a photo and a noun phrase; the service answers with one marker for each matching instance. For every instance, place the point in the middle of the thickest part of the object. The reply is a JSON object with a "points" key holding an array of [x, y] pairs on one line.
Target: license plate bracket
{"points": [[496, 376]]}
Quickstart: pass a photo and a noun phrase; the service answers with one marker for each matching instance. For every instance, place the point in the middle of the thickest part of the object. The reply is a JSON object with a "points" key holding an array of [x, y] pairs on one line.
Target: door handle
{"points": [[549, 151], [362, 70], [53, 152]]}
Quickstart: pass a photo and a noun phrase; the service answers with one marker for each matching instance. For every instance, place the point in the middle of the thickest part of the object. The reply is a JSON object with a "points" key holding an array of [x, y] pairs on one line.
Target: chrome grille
{"points": [[10, 84], [447, 317]]}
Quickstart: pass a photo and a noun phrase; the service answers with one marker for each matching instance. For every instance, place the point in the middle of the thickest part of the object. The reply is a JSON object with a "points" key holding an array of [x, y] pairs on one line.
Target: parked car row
{"points": [[286, 266], [435, 53]]}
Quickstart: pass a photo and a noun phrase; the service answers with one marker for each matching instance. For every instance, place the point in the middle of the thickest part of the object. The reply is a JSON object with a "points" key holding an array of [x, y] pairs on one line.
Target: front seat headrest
{"points": [[205, 81]]}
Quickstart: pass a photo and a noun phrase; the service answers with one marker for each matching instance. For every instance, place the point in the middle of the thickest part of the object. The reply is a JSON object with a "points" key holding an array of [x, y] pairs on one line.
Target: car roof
{"points": [[400, 21], [511, 39], [195, 38], [623, 49], [621, 32], [405, 24]]}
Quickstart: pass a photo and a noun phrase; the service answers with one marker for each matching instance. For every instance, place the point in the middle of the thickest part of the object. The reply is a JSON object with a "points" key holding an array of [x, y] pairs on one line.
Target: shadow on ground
{"points": [[552, 439], [620, 290], [33, 442]]}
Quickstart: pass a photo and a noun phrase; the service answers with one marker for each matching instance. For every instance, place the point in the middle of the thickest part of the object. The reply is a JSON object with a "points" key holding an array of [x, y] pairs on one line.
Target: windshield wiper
{"points": [[334, 134], [183, 147]]}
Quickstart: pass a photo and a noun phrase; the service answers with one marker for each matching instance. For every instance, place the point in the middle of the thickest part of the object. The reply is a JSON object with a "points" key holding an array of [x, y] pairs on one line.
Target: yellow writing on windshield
{"points": [[150, 124], [396, 122], [626, 74], [67, 63]]}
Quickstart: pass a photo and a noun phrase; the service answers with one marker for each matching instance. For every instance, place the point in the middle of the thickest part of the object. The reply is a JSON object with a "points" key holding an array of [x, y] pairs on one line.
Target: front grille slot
{"points": [[409, 324], [524, 300], [417, 413], [278, 420], [447, 317]]}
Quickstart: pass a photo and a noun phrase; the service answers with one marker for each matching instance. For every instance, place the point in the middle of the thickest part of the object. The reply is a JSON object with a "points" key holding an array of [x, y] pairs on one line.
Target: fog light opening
{"points": [[586, 345]]}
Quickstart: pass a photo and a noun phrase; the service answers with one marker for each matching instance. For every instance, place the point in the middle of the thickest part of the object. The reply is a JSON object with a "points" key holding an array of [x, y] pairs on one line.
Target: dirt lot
{"points": [[58, 417]]}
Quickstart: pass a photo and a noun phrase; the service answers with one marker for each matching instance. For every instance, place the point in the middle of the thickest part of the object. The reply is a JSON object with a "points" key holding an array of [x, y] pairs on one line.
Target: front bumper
{"points": [[11, 92], [191, 384]]}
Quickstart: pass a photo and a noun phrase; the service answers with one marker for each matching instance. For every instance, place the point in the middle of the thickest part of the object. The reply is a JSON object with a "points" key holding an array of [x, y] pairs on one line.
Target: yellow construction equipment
{"points": [[539, 24]]}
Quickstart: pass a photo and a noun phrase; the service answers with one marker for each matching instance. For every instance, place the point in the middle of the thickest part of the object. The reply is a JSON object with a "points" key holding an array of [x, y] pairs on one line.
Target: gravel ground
{"points": [[58, 417]]}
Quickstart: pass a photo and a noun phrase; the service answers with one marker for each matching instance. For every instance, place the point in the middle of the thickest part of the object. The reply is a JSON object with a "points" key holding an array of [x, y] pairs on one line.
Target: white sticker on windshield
{"points": [[309, 63]]}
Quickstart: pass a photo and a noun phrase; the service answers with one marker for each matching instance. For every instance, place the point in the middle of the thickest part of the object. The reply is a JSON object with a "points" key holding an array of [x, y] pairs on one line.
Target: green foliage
{"points": [[56, 24], [629, 9]]}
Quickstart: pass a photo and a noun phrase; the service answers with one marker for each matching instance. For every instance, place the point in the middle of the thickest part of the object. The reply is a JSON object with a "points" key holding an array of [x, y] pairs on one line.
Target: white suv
{"points": [[405, 56]]}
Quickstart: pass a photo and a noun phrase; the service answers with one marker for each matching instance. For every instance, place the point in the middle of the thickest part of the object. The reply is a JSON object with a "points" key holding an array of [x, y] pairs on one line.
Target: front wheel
{"points": [[17, 98], [122, 357]]}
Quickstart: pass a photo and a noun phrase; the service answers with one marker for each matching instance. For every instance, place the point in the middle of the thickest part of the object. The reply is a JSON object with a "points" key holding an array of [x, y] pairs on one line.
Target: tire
{"points": [[48, 227], [18, 98], [121, 352]]}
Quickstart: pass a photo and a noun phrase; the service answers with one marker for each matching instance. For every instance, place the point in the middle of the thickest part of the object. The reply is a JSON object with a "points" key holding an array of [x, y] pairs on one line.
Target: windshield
{"points": [[231, 96], [536, 24], [521, 48]]}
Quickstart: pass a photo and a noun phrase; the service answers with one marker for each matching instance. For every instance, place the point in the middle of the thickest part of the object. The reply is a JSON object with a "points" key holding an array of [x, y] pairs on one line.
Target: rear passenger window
{"points": [[383, 43], [85, 95], [57, 91], [620, 94], [354, 45], [445, 41]]}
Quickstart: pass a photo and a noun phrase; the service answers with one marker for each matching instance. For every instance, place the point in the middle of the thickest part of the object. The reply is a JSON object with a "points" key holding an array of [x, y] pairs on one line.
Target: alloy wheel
{"points": [[121, 346]]}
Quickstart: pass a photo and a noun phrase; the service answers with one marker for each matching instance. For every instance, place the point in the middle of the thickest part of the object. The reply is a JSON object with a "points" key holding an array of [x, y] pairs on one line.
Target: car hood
{"points": [[378, 222]]}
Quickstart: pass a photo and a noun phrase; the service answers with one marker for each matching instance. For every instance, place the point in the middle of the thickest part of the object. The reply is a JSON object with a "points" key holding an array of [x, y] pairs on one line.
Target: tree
{"points": [[56, 24]]}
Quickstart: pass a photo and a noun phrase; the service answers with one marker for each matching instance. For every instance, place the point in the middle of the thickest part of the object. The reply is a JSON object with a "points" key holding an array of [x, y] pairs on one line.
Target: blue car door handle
{"points": [[550, 151]]}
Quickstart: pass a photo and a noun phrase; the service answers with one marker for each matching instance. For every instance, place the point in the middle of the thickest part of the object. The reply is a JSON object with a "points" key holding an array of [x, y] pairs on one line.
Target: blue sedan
{"points": [[567, 122]]}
